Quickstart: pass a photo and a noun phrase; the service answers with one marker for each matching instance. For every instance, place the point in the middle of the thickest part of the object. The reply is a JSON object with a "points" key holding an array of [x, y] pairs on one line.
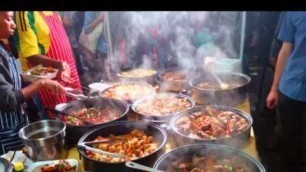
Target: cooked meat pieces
{"points": [[211, 123]]}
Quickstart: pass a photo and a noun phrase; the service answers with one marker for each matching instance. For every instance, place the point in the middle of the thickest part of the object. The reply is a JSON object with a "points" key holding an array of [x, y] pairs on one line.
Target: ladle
{"points": [[137, 166], [220, 82]]}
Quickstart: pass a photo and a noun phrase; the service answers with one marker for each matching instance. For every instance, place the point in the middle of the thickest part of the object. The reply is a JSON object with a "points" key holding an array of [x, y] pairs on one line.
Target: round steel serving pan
{"points": [[160, 119], [149, 78], [130, 101], [120, 128], [44, 139], [173, 86], [226, 97], [74, 133], [236, 140], [5, 165], [188, 151]]}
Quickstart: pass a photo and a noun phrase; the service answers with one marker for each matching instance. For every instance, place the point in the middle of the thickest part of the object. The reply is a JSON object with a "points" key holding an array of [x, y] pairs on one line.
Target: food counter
{"points": [[250, 148]]}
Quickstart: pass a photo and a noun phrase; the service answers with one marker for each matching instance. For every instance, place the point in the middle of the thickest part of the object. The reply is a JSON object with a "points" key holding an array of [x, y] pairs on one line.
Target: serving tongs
{"points": [[84, 145], [75, 94]]}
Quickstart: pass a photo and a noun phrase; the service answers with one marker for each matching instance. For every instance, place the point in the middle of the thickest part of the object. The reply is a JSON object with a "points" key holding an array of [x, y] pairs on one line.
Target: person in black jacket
{"points": [[12, 96]]}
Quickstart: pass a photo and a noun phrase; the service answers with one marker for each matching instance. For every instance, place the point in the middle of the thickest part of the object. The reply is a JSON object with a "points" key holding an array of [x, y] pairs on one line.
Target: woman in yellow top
{"points": [[42, 39]]}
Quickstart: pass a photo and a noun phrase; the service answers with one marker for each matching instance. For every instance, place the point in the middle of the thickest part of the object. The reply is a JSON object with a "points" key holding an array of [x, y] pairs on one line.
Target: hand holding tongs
{"points": [[101, 152], [73, 93]]}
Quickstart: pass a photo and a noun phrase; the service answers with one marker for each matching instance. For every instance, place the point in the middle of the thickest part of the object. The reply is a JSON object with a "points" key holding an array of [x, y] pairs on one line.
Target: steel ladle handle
{"points": [[140, 167]]}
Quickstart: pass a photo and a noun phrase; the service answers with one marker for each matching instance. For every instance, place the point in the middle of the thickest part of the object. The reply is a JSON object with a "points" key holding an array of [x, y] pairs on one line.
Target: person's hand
{"points": [[65, 72], [272, 99], [54, 86]]}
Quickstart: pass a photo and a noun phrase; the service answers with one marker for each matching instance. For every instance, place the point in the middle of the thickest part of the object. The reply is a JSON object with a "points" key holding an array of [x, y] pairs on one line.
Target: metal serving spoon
{"points": [[137, 166]]}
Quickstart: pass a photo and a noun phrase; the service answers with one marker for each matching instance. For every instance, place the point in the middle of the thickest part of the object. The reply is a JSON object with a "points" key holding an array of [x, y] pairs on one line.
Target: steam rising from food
{"points": [[163, 40], [162, 105]]}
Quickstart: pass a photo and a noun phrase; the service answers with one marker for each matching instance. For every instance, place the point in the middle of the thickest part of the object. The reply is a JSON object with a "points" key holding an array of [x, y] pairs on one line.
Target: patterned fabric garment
{"points": [[11, 120], [58, 49], [32, 35]]}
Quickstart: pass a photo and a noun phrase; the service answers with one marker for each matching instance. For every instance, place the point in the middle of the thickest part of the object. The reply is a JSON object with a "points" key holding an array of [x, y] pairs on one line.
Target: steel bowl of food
{"points": [[228, 89], [128, 91], [207, 157], [161, 107], [80, 116], [212, 124], [174, 80], [45, 140], [136, 141], [139, 74]]}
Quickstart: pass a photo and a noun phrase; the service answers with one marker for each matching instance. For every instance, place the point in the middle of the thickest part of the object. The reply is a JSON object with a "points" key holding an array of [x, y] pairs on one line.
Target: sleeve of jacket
{"points": [[9, 99]]}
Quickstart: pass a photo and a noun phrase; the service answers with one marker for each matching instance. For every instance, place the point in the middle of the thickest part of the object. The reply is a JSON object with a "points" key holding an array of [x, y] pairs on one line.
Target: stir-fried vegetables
{"points": [[93, 115], [40, 71]]}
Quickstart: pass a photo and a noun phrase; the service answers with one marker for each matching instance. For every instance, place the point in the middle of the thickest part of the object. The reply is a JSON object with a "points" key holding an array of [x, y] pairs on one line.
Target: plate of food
{"points": [[40, 72], [67, 165]]}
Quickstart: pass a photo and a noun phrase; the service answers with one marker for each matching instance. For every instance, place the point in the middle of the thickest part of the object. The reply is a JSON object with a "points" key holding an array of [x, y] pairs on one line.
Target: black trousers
{"points": [[292, 114], [266, 126]]}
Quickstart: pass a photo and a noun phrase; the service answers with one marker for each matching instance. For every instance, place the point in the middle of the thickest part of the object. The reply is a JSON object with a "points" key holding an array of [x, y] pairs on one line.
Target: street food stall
{"points": [[174, 99]]}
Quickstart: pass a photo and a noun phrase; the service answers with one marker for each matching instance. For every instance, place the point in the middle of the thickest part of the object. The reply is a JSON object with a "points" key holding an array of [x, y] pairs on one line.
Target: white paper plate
{"points": [[31, 78], [36, 167], [97, 86]]}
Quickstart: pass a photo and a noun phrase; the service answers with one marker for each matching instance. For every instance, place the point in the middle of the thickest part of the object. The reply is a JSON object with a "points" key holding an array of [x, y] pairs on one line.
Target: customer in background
{"points": [[73, 24], [12, 96], [42, 39], [93, 44], [288, 88]]}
